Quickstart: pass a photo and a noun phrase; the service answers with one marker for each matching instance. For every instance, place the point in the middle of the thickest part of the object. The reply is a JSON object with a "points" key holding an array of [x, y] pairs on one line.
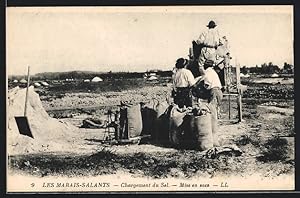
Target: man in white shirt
{"points": [[211, 79], [212, 82], [208, 91], [209, 40], [183, 81]]}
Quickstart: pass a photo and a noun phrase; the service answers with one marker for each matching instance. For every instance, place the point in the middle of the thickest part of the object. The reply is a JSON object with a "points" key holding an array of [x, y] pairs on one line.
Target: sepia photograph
{"points": [[150, 99]]}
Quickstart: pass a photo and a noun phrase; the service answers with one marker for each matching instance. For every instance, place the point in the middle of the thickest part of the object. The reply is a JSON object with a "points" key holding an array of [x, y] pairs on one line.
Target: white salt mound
{"points": [[49, 134]]}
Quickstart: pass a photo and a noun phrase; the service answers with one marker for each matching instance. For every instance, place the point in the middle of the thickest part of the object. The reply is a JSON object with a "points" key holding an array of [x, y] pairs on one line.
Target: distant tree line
{"points": [[265, 68], [269, 68], [89, 75]]}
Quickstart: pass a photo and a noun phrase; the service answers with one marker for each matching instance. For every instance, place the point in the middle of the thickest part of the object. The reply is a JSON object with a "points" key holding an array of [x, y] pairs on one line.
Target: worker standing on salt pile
{"points": [[209, 40], [183, 81]]}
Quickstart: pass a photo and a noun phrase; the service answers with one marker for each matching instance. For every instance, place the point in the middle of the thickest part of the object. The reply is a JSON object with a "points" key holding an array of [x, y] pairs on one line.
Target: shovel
{"points": [[22, 121]]}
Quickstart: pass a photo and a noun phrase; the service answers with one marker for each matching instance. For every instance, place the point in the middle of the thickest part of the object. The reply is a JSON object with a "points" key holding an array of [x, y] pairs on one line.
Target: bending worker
{"points": [[209, 40], [183, 81]]}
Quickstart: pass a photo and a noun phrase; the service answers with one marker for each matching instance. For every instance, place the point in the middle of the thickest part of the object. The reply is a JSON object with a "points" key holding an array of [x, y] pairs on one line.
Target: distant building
{"points": [[15, 81], [86, 80], [274, 75]]}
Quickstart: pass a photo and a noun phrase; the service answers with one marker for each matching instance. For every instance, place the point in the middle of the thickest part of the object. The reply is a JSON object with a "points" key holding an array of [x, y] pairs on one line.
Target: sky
{"points": [[54, 39]]}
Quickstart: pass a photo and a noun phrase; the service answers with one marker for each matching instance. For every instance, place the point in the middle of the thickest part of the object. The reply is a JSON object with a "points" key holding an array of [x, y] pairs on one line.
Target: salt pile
{"points": [[49, 134]]}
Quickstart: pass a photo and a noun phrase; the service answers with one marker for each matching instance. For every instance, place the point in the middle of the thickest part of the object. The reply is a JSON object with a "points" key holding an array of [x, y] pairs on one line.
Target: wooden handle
{"points": [[26, 98]]}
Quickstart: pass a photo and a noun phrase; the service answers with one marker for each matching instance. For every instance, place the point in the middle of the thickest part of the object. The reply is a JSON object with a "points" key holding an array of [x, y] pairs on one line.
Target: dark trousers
{"points": [[183, 96]]}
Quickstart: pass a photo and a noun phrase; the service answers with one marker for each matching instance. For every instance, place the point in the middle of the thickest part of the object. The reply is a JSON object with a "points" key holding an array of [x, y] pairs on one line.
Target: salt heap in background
{"points": [[49, 134]]}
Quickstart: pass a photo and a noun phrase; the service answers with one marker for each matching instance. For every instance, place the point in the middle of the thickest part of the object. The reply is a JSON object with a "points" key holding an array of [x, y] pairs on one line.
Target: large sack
{"points": [[202, 128], [135, 124], [199, 132], [153, 116], [130, 121], [162, 127], [161, 108], [148, 117], [176, 126]]}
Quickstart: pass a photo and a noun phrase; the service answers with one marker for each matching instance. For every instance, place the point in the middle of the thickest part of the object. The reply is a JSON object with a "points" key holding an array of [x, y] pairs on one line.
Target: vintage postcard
{"points": [[150, 98]]}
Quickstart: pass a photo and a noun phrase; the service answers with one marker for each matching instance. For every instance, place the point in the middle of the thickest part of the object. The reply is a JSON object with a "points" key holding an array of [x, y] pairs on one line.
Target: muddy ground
{"points": [[265, 136]]}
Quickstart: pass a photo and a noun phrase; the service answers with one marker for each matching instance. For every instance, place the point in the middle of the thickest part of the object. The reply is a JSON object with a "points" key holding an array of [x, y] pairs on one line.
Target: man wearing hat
{"points": [[208, 91], [209, 40], [183, 81]]}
